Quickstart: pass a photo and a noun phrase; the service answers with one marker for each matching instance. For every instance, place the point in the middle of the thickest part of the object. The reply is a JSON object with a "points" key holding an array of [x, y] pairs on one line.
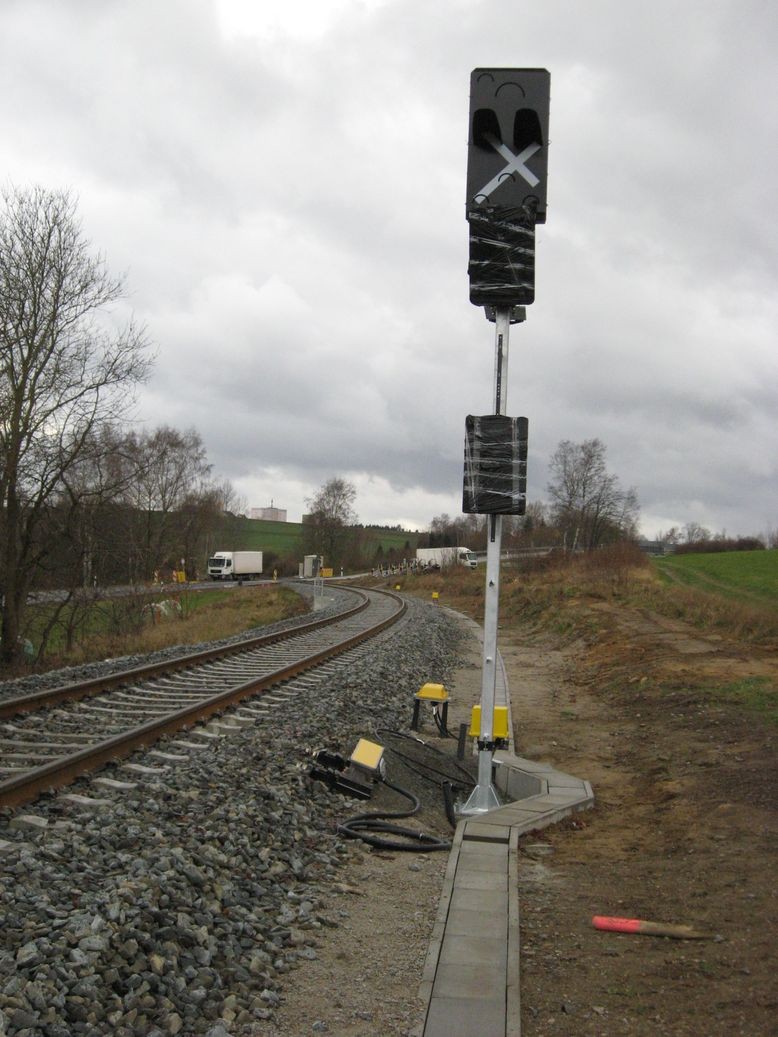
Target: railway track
{"points": [[50, 738]]}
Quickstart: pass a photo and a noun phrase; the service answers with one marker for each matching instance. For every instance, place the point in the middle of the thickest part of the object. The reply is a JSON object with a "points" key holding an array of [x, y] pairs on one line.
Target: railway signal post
{"points": [[506, 198]]}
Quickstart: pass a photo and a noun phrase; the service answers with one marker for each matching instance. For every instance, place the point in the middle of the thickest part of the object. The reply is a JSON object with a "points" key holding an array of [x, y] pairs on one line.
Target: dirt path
{"points": [[696, 579], [684, 831]]}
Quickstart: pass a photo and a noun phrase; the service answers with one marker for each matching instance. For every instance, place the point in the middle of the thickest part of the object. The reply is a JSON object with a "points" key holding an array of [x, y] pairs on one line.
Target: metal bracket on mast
{"points": [[517, 314]]}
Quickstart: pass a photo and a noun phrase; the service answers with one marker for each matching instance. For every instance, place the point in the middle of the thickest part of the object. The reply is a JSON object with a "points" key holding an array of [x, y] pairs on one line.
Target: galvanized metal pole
{"points": [[484, 797]]}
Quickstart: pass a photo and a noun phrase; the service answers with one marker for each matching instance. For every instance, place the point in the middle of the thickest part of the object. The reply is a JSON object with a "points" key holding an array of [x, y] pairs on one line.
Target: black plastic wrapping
{"points": [[495, 481], [502, 255]]}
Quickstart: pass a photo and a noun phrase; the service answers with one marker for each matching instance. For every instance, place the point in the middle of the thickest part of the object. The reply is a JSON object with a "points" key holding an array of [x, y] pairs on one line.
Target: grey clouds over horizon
{"points": [[285, 190]]}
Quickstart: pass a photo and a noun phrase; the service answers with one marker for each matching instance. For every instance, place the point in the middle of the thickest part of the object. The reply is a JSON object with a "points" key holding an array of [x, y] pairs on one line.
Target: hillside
{"points": [[285, 539]]}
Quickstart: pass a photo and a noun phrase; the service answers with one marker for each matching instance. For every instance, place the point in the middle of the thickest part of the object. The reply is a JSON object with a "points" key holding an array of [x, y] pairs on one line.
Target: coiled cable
{"points": [[366, 827]]}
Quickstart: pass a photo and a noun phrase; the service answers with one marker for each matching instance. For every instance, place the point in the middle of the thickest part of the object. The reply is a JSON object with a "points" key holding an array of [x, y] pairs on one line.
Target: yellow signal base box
{"points": [[432, 693], [499, 722], [367, 755]]}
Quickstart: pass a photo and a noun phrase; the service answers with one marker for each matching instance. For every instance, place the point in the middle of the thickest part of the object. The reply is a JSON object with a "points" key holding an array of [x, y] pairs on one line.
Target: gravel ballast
{"points": [[184, 905]]}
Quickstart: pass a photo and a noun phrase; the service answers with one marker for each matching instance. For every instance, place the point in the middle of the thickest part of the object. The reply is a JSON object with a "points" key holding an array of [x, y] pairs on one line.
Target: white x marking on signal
{"points": [[515, 164]]}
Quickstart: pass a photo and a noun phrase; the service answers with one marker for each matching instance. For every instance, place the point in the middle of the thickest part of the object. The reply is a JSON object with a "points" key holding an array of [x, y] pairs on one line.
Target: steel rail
{"points": [[63, 770], [95, 685]]}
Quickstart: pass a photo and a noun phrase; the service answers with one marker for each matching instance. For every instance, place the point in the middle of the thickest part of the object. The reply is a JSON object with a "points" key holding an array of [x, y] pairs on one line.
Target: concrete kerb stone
{"points": [[464, 986], [512, 974], [439, 927]]}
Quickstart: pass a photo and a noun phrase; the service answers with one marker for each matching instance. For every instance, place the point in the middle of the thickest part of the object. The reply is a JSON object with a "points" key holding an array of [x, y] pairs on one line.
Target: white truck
{"points": [[235, 565], [443, 557]]}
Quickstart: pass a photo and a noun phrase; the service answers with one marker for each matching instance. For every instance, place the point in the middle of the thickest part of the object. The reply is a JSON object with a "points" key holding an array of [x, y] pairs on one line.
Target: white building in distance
{"points": [[270, 514]]}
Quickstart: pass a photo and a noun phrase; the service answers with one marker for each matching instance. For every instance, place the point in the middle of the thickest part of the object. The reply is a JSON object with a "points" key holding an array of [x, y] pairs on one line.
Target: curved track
{"points": [[50, 738]]}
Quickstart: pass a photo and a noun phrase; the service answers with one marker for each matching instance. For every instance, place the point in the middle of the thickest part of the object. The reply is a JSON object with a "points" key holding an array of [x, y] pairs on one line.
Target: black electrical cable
{"points": [[448, 799], [361, 825], [420, 741], [419, 768], [444, 731]]}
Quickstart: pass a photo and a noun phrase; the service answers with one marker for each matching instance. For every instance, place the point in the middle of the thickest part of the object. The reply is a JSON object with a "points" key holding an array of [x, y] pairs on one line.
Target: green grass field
{"points": [[746, 575], [285, 539]]}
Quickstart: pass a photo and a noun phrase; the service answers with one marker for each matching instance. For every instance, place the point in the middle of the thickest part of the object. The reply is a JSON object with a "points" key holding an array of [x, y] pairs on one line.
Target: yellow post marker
{"points": [[435, 595]]}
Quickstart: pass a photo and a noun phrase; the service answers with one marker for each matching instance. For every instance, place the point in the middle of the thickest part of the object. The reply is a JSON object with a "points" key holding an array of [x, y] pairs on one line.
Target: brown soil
{"points": [[683, 832]]}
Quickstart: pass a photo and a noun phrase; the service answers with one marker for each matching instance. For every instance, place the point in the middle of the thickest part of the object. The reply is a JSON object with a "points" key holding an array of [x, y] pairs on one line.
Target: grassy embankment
{"points": [[127, 625], [733, 596]]}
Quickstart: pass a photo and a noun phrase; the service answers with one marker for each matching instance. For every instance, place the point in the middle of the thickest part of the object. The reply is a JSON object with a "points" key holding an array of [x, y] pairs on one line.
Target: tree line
{"points": [[587, 508]]}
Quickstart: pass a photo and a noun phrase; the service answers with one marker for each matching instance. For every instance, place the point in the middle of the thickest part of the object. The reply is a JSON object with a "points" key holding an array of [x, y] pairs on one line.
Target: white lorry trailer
{"points": [[442, 557], [235, 565], [311, 566]]}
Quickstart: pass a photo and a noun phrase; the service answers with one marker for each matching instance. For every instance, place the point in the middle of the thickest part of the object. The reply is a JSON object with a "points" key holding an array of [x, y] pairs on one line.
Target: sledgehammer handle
{"points": [[638, 925]]}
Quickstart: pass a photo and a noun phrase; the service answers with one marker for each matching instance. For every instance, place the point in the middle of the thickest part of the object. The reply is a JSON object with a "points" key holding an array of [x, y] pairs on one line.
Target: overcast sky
{"points": [[283, 185]]}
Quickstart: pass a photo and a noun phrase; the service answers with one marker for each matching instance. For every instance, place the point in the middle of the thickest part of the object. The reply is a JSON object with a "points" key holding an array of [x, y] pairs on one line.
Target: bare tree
{"points": [[170, 473], [65, 371], [83, 534], [534, 529], [588, 504], [671, 536], [328, 525], [694, 533], [463, 531]]}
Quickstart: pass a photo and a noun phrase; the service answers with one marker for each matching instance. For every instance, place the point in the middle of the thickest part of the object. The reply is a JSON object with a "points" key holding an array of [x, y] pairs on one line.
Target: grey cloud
{"points": [[291, 217]]}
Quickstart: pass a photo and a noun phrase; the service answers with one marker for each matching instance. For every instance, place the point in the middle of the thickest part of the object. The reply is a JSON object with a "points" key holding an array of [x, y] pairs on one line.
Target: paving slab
{"points": [[469, 982], [482, 849], [462, 920], [463, 949], [459, 1017], [482, 880], [475, 831]]}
